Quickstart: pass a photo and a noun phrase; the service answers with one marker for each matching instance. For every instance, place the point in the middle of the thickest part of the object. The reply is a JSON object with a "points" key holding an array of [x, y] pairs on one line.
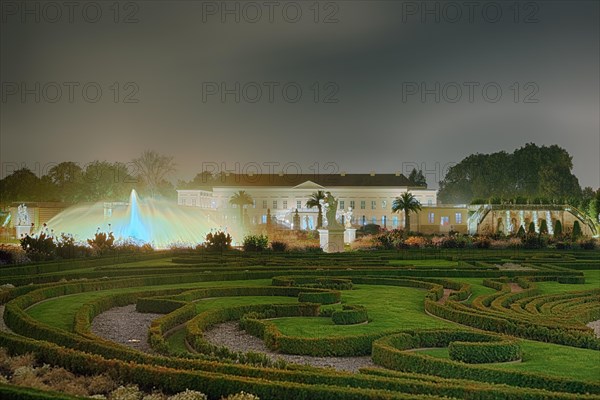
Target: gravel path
{"points": [[3, 326], [126, 326], [444, 298], [229, 335], [515, 288], [595, 325]]}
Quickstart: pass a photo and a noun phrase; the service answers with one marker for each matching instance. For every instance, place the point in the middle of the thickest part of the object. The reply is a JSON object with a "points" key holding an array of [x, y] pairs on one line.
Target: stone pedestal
{"points": [[22, 230], [331, 240], [349, 235]]}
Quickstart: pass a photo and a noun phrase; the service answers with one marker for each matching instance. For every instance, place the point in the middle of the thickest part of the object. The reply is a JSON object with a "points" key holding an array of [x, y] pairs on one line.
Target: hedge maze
{"points": [[478, 325]]}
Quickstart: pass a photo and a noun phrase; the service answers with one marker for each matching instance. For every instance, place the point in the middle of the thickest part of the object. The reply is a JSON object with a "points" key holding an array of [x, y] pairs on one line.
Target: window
{"points": [[362, 204], [285, 204], [342, 204], [364, 220], [384, 204], [395, 221], [264, 219], [429, 202], [193, 202], [445, 221], [431, 218], [274, 204], [352, 204], [253, 203], [458, 218], [373, 220], [384, 221], [298, 204], [264, 204], [373, 204]]}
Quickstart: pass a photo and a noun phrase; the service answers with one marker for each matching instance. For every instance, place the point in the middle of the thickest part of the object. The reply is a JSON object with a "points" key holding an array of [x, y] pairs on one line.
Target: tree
{"points": [[105, 181], [558, 231], [576, 233], [529, 172], [241, 199], [153, 168], [531, 228], [417, 178], [315, 201], [594, 207], [407, 203], [543, 227], [24, 185], [521, 232], [68, 178]]}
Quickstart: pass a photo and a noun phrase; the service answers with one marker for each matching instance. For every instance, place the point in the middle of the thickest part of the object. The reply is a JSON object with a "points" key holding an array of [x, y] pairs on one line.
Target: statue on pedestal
{"points": [[22, 215], [348, 218], [331, 212]]}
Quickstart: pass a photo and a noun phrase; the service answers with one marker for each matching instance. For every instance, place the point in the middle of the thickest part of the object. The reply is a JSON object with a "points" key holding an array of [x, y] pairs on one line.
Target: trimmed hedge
{"points": [[390, 352], [350, 315], [481, 353], [321, 298]]}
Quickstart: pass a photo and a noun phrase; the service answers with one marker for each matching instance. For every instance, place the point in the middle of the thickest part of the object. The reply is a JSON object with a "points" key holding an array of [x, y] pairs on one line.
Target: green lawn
{"points": [[60, 312], [389, 307], [547, 358]]}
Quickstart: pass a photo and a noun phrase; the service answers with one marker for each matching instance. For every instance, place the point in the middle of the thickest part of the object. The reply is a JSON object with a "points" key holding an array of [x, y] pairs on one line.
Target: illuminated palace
{"points": [[369, 197]]}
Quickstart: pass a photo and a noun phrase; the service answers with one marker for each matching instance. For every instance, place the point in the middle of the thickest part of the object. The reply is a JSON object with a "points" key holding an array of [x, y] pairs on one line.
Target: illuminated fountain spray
{"points": [[522, 219], [509, 226], [157, 222], [549, 223], [535, 222]]}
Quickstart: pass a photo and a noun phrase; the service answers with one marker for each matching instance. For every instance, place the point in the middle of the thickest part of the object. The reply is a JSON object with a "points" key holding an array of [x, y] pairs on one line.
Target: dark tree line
{"points": [[531, 174], [96, 181]]}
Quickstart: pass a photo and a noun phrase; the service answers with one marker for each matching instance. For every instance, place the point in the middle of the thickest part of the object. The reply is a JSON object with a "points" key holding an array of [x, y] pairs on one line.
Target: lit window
{"points": [[352, 204], [383, 204], [431, 218], [384, 220], [264, 219], [362, 204], [274, 204], [342, 204], [285, 204], [395, 221], [429, 202], [298, 204], [373, 204], [364, 220], [444, 221], [374, 220], [458, 218], [264, 204]]}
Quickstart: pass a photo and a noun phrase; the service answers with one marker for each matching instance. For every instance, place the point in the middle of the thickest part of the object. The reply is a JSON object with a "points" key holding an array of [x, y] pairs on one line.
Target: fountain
{"points": [[157, 222]]}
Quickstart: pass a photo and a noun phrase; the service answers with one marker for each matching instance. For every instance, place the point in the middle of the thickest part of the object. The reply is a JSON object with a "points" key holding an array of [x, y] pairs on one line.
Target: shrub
{"points": [[39, 248], [102, 242], [482, 242], [350, 315], [320, 297], [189, 395], [416, 242], [10, 254], [368, 229], [255, 243], [218, 241], [241, 396], [589, 244], [279, 246]]}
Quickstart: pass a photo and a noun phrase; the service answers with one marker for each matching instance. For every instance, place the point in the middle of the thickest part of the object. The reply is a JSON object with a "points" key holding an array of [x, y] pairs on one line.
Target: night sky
{"points": [[168, 70]]}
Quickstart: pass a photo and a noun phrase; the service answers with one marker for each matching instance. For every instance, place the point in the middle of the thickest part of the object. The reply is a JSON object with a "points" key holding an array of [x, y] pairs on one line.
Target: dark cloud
{"points": [[365, 61]]}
